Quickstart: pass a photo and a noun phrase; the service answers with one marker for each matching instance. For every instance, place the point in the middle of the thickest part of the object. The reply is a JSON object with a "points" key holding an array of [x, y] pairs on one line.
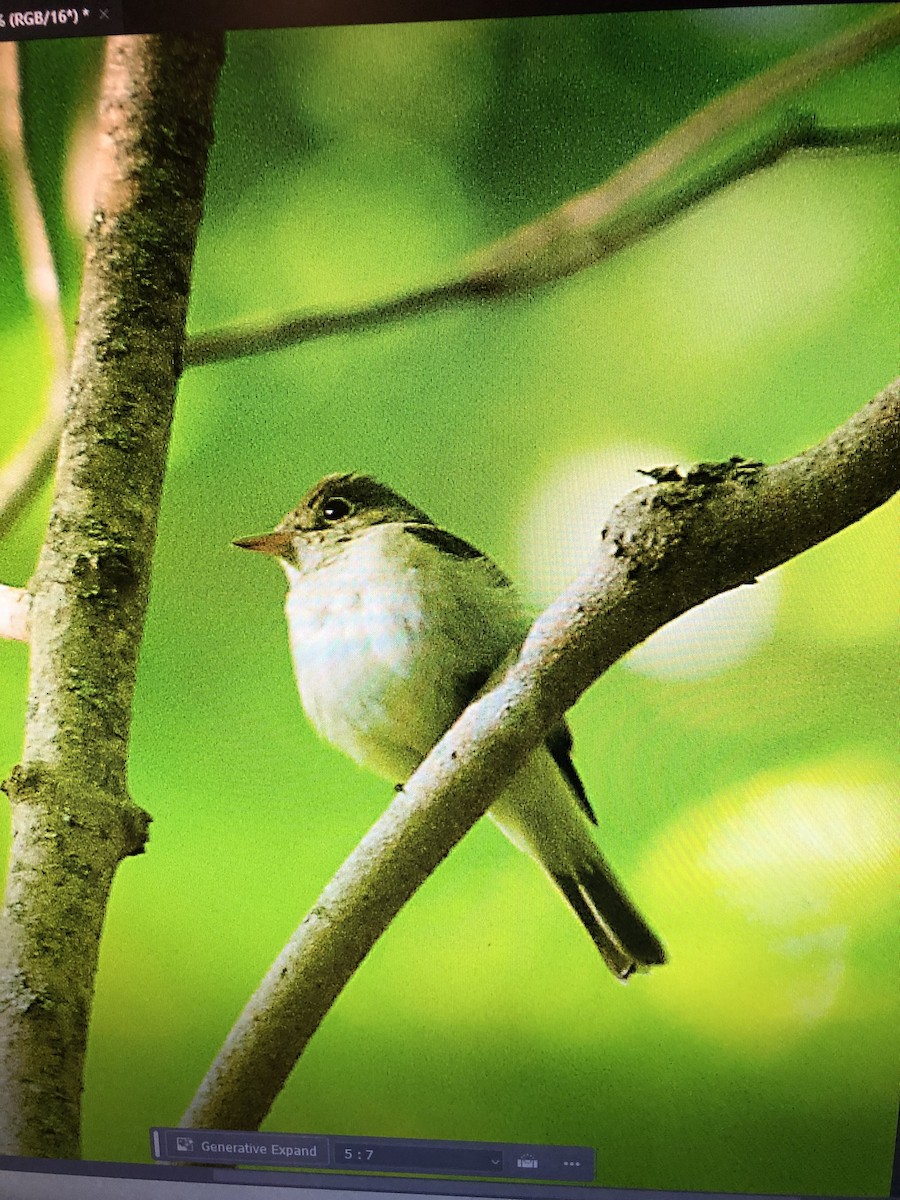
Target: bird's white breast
{"points": [[384, 635]]}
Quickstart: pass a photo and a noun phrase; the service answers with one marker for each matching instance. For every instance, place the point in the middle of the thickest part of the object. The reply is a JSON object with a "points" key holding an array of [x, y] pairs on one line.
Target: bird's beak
{"points": [[278, 542]]}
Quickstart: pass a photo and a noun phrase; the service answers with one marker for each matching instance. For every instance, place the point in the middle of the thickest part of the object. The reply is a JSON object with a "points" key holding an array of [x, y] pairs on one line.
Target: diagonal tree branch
{"points": [[592, 227], [666, 548], [25, 475], [73, 820]]}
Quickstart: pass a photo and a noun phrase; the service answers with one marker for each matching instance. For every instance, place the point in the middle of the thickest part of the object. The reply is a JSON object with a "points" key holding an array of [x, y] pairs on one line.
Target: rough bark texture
{"points": [[73, 820], [667, 547]]}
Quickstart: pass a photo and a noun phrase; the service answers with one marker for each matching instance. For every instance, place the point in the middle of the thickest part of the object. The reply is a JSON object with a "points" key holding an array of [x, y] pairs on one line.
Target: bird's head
{"points": [[338, 508]]}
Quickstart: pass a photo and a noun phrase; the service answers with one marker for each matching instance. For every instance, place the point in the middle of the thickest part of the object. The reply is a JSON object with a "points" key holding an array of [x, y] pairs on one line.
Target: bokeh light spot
{"points": [[713, 637], [564, 518], [771, 897]]}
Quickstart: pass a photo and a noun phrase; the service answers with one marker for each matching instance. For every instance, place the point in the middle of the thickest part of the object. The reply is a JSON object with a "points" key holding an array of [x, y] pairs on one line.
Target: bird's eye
{"points": [[336, 508]]}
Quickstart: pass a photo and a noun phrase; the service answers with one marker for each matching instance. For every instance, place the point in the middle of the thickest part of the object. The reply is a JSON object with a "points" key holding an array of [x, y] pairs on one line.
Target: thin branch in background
{"points": [[592, 227], [666, 548], [41, 281], [799, 134], [580, 234], [725, 115], [23, 477], [80, 175], [578, 248], [15, 613]]}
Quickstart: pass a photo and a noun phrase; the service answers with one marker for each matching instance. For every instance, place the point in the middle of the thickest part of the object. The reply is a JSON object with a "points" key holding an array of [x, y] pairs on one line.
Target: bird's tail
{"points": [[546, 816], [624, 939]]}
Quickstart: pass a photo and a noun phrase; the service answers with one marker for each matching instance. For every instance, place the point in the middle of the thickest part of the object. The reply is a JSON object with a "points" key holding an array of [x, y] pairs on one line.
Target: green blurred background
{"points": [[742, 765]]}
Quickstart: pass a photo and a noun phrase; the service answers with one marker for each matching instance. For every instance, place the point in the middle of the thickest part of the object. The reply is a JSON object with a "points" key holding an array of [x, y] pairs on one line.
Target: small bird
{"points": [[395, 625]]}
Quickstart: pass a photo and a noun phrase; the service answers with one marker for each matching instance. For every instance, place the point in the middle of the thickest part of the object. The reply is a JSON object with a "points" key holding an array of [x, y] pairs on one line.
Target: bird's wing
{"points": [[535, 810], [456, 547], [479, 614], [559, 743]]}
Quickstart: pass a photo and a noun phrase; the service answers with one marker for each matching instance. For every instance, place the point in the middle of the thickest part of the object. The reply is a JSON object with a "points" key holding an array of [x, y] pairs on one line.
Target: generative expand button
{"points": [[227, 1146]]}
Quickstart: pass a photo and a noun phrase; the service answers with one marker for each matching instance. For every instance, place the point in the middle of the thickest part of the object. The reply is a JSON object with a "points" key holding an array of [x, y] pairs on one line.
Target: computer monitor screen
{"points": [[406, 422]]}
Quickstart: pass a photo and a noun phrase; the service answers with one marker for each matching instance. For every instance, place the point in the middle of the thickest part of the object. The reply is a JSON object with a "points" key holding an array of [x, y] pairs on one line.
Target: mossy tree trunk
{"points": [[73, 819]]}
